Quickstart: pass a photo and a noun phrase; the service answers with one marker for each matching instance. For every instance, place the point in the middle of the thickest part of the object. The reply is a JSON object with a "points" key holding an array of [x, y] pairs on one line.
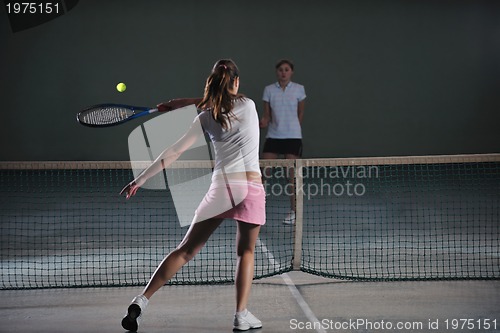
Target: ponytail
{"points": [[217, 97]]}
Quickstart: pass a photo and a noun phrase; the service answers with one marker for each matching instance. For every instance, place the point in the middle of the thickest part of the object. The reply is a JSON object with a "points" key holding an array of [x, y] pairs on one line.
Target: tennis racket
{"points": [[103, 115]]}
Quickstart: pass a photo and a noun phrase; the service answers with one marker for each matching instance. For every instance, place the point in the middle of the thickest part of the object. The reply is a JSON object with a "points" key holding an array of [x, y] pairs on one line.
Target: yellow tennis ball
{"points": [[121, 87]]}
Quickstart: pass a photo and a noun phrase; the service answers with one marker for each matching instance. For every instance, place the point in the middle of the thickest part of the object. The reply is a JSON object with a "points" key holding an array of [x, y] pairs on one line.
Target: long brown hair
{"points": [[217, 97]]}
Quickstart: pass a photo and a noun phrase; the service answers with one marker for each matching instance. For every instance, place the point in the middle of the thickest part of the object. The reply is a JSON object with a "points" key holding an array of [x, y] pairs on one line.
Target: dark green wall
{"points": [[382, 77]]}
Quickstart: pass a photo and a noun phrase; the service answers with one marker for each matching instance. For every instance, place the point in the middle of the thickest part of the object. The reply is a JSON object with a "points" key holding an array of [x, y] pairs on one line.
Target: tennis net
{"points": [[63, 224]]}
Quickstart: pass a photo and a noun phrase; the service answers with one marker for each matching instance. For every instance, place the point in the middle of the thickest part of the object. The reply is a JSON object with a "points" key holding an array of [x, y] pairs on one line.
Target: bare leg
{"points": [[269, 156], [192, 243], [266, 172], [291, 179], [246, 238]]}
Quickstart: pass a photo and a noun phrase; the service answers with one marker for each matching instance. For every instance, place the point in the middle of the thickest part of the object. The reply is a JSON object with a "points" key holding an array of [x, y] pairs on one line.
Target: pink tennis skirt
{"points": [[242, 201]]}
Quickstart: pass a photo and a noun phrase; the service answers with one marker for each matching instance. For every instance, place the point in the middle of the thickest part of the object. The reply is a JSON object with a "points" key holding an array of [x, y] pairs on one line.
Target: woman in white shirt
{"points": [[284, 104]]}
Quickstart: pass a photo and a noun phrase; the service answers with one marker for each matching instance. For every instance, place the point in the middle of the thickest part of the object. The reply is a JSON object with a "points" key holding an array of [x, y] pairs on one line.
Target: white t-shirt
{"points": [[237, 147], [284, 122]]}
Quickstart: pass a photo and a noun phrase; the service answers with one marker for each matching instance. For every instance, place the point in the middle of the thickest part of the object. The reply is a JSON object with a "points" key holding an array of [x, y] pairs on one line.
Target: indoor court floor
{"points": [[291, 302]]}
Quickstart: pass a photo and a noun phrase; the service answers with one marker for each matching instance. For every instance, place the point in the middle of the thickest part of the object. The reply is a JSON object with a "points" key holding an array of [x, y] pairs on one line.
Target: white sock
{"points": [[242, 313], [142, 301]]}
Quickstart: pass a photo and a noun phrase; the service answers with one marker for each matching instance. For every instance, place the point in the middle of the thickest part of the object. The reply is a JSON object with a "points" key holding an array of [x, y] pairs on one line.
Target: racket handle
{"points": [[153, 110]]}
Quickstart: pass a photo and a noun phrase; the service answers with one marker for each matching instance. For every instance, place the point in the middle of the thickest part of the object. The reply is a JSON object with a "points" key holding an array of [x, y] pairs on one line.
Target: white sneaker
{"points": [[244, 322], [134, 312], [290, 218]]}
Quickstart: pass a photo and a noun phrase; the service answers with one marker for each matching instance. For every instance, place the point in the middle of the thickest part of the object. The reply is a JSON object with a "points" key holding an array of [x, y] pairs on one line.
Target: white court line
{"points": [[293, 289]]}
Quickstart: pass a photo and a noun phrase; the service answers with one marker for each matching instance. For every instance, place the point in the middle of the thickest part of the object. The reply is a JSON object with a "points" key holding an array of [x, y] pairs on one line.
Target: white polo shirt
{"points": [[284, 122]]}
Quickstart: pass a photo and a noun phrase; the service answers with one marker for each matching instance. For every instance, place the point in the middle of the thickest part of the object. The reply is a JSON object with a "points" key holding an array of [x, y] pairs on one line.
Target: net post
{"points": [[299, 205]]}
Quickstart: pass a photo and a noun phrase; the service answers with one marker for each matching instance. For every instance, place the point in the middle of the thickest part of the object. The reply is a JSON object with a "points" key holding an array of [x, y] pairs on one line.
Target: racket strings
{"points": [[105, 115]]}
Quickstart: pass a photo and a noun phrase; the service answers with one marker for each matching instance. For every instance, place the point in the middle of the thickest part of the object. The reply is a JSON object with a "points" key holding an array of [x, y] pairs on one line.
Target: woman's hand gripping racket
{"points": [[103, 115]]}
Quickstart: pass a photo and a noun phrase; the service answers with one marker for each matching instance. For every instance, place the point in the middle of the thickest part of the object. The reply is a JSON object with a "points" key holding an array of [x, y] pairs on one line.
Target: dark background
{"points": [[382, 77]]}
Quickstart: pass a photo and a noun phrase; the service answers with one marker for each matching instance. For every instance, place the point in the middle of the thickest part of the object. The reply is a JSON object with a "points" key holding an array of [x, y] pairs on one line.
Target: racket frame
{"points": [[138, 111]]}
